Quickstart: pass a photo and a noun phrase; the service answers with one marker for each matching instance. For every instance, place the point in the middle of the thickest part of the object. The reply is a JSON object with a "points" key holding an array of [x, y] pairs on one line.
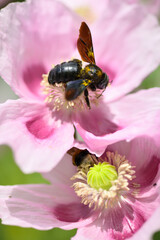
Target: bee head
{"points": [[103, 82]]}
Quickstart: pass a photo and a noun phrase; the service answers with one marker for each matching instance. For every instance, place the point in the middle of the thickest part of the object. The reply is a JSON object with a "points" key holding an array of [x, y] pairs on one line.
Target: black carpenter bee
{"points": [[75, 78], [82, 158]]}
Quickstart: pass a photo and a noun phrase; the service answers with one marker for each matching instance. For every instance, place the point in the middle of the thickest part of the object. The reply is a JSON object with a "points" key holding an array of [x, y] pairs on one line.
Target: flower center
{"points": [[87, 13], [101, 175], [55, 97], [106, 183]]}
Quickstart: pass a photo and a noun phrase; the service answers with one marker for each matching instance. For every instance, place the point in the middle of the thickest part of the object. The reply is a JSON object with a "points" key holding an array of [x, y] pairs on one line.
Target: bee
{"points": [[75, 78], [82, 158]]}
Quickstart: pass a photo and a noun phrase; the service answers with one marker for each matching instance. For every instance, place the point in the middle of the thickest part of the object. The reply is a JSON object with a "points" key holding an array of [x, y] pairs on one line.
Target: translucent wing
{"points": [[84, 44], [75, 88]]}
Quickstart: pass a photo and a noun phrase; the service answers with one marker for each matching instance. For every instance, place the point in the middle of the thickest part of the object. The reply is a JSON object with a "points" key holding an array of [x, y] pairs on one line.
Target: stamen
{"points": [[99, 192], [55, 96]]}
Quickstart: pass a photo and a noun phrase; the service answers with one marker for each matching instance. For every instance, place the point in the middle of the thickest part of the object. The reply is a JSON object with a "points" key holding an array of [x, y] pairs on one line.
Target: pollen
{"points": [[106, 183], [55, 96], [90, 54], [86, 82]]}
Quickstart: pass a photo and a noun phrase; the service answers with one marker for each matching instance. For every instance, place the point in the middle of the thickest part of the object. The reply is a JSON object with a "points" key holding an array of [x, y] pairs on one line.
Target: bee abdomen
{"points": [[64, 72]]}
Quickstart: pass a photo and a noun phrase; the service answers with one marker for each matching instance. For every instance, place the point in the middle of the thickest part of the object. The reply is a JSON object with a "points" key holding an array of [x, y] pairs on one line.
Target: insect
{"points": [[82, 158], [75, 78]]}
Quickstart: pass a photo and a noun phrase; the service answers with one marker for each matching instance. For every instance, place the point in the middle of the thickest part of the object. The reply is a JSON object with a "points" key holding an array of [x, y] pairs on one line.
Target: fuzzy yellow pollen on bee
{"points": [[90, 54], [86, 82], [87, 69], [55, 96]]}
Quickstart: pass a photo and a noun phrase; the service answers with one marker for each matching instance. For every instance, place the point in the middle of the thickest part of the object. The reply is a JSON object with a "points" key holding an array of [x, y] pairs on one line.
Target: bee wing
{"points": [[75, 88], [84, 44], [73, 151]]}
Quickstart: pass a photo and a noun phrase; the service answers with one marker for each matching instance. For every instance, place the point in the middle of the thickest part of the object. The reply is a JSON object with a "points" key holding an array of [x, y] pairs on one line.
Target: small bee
{"points": [[82, 158], [75, 78]]}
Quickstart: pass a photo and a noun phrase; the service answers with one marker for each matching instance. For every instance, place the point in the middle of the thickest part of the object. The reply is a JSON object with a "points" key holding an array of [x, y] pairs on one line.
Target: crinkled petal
{"points": [[38, 140], [134, 115], [122, 50], [34, 35], [42, 207]]}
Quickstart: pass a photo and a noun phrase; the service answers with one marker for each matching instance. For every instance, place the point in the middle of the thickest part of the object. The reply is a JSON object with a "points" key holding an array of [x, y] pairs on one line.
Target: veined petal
{"points": [[147, 230], [34, 35], [38, 139], [41, 207], [118, 223]]}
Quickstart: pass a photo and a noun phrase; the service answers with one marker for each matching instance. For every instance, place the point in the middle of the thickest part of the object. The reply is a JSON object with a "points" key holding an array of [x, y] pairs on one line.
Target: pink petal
{"points": [[152, 225], [98, 120], [38, 139], [153, 6], [86, 9], [34, 36], [41, 207], [58, 175], [134, 115], [144, 154], [141, 108], [120, 223], [115, 224], [123, 51]]}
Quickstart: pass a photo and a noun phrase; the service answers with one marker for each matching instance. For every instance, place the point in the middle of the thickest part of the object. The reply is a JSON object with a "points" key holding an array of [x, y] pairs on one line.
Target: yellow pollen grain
{"points": [[90, 54], [99, 73], [86, 82]]}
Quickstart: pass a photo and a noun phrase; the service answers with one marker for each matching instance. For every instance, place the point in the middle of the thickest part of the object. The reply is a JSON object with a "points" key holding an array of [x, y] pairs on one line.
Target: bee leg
{"points": [[86, 98]]}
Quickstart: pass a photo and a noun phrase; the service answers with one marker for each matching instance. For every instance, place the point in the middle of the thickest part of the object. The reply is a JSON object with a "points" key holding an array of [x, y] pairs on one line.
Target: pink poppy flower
{"points": [[38, 33], [110, 200]]}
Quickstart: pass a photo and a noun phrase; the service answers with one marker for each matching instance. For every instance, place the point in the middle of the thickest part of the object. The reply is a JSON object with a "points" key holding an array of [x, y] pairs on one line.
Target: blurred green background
{"points": [[11, 175]]}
